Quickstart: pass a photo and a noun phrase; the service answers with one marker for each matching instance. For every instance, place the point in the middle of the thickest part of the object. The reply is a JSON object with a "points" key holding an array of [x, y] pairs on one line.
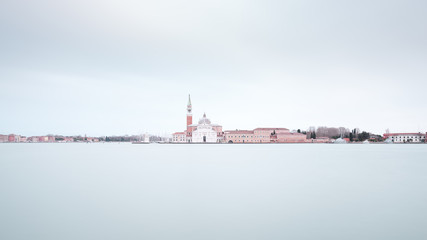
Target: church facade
{"points": [[202, 132]]}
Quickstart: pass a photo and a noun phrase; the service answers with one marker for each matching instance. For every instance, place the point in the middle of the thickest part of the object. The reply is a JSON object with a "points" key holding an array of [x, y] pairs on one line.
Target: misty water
{"points": [[160, 191]]}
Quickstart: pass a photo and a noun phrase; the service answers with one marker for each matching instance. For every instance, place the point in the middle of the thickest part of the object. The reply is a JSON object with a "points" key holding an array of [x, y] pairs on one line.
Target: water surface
{"points": [[160, 191]]}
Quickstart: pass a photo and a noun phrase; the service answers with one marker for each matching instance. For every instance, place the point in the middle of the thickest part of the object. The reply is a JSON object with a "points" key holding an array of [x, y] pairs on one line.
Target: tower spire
{"points": [[189, 100], [189, 107]]}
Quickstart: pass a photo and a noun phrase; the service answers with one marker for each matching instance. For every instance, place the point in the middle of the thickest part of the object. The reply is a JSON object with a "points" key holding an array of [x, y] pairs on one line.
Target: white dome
{"points": [[340, 141], [204, 120]]}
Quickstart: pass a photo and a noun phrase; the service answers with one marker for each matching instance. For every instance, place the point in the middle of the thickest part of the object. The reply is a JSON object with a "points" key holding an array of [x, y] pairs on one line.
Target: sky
{"points": [[127, 67]]}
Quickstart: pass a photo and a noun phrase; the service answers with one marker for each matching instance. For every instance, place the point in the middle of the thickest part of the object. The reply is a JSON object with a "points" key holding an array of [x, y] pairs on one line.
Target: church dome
{"points": [[204, 120]]}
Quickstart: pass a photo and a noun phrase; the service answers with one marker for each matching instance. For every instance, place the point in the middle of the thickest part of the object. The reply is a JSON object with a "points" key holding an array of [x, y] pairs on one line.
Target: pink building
{"points": [[179, 137], [264, 135], [290, 138], [4, 138], [241, 136], [14, 138], [269, 134], [33, 139], [43, 139], [11, 138]]}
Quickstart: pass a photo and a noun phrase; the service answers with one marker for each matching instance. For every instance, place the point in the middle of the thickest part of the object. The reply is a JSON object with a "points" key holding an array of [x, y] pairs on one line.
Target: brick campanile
{"points": [[189, 113]]}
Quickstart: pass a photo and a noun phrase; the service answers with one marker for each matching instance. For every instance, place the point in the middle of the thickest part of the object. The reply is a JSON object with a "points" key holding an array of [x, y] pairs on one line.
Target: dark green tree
{"points": [[363, 136], [313, 135]]}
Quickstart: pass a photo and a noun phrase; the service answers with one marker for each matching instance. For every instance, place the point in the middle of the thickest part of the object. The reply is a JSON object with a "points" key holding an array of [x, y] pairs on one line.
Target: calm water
{"points": [[293, 191]]}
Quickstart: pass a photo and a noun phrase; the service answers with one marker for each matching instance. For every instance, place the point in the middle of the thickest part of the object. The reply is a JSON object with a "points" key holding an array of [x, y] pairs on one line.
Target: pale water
{"points": [[160, 191]]}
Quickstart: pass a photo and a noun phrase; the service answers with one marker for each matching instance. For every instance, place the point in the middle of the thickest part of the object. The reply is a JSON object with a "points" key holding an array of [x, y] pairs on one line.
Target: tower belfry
{"points": [[189, 113], [189, 105]]}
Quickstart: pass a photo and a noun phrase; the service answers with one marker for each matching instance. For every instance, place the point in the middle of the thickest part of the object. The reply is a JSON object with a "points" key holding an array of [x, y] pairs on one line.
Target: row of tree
{"points": [[331, 132]]}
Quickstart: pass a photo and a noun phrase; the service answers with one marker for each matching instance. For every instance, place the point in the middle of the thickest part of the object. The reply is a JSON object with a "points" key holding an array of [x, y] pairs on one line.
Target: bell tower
{"points": [[189, 113]]}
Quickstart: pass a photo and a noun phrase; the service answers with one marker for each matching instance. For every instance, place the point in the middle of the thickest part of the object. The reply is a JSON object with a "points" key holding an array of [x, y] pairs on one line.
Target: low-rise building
{"points": [[290, 137], [13, 138], [179, 137], [406, 137], [33, 139], [264, 135], [320, 140], [242, 136], [43, 139], [4, 138]]}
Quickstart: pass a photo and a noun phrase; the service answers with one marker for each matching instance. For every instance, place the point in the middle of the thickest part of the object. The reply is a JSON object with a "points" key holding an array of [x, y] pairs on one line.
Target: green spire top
{"points": [[189, 100]]}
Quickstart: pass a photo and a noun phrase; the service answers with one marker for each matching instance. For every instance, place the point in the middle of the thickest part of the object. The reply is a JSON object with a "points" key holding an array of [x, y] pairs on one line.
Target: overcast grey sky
{"points": [[117, 67]]}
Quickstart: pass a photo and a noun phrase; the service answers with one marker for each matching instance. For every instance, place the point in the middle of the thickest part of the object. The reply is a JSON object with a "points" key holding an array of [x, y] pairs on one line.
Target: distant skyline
{"points": [[127, 67]]}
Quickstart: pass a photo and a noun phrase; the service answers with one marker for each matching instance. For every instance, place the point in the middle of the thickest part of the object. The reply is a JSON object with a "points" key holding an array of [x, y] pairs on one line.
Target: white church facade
{"points": [[202, 132]]}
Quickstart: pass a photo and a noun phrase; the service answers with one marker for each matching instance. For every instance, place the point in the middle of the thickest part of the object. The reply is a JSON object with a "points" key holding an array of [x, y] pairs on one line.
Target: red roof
{"points": [[178, 133], [271, 129], [289, 133], [239, 132]]}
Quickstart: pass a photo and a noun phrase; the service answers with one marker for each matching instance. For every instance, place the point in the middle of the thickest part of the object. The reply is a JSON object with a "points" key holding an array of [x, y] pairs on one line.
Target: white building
{"points": [[179, 137], [203, 132], [406, 137], [206, 132]]}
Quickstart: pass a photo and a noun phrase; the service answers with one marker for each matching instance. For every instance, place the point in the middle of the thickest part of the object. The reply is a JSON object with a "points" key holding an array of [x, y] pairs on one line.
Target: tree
{"points": [[313, 135], [351, 137], [299, 131], [363, 136]]}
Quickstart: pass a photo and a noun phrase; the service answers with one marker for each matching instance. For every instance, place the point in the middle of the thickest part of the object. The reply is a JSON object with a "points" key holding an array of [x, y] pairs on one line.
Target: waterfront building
{"points": [[320, 140], [13, 138], [43, 139], [264, 135], [34, 139], [179, 137], [202, 132], [289, 137], [4, 138], [206, 132], [406, 137], [242, 136]]}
